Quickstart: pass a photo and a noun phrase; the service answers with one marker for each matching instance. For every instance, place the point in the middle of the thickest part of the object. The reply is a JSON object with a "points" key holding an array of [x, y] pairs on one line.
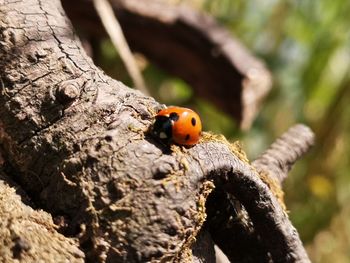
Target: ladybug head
{"points": [[162, 128]]}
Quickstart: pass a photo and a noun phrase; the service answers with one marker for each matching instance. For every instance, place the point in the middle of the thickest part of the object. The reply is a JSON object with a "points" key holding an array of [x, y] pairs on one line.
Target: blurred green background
{"points": [[306, 45]]}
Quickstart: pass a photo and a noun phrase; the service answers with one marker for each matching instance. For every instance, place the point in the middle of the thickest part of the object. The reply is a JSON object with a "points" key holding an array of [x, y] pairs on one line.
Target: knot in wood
{"points": [[67, 92]]}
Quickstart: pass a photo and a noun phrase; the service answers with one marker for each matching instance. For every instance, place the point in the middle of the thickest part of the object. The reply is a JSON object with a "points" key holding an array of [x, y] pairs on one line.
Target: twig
{"points": [[113, 28], [278, 159], [220, 256]]}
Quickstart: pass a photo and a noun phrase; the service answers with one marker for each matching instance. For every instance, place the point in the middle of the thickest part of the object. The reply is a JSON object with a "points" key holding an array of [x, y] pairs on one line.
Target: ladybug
{"points": [[179, 125]]}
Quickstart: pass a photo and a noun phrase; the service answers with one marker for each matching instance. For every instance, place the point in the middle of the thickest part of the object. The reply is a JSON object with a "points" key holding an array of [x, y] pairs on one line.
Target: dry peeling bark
{"points": [[77, 142], [189, 45]]}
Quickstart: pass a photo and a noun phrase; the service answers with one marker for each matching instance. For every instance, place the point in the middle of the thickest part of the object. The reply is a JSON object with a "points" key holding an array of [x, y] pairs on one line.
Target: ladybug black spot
{"points": [[193, 121], [174, 116], [187, 137]]}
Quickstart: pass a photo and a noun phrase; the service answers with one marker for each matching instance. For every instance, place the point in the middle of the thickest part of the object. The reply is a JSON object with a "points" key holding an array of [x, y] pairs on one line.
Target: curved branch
{"points": [[237, 178]]}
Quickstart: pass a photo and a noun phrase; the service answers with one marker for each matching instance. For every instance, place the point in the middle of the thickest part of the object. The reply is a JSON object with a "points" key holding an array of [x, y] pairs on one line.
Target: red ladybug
{"points": [[179, 125]]}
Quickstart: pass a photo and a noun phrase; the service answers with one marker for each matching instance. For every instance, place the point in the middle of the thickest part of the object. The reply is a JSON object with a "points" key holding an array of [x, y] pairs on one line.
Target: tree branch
{"points": [[285, 151], [78, 143]]}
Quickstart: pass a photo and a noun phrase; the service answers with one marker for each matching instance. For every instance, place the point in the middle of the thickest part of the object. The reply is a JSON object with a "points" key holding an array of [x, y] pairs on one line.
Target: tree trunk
{"points": [[77, 142]]}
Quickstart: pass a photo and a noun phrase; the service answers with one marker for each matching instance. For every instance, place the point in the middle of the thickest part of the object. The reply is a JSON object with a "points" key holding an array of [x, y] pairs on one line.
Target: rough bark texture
{"points": [[30, 236], [78, 143], [189, 45]]}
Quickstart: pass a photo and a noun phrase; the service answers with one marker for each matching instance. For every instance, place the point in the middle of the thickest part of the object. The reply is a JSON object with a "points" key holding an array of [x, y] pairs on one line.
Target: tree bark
{"points": [[78, 143], [28, 235]]}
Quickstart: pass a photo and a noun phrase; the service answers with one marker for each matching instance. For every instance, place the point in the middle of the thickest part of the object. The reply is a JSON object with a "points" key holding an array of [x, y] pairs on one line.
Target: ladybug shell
{"points": [[180, 125]]}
